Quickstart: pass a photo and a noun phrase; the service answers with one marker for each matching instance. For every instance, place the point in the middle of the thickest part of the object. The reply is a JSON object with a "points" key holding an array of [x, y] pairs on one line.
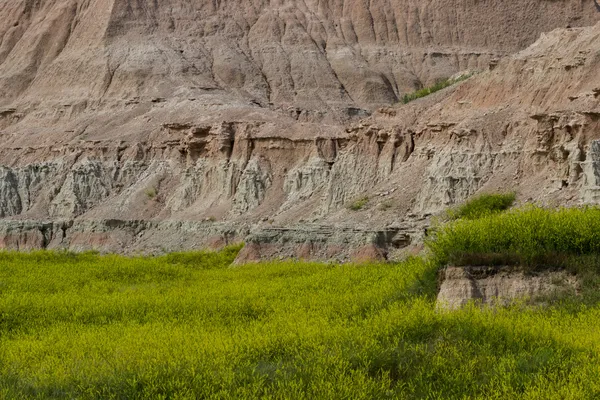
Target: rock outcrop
{"points": [[201, 122], [497, 286]]}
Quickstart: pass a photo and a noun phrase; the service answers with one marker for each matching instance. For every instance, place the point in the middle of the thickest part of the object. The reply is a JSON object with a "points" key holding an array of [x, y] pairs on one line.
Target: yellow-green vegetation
{"points": [[359, 203], [151, 193], [530, 236], [441, 84], [385, 205], [482, 205], [189, 326]]}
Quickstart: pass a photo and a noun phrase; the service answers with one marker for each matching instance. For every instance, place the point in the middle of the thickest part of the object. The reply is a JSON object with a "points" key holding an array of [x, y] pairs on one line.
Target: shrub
{"points": [[441, 84], [185, 327], [204, 259], [483, 205], [530, 236], [151, 193], [359, 203], [385, 205]]}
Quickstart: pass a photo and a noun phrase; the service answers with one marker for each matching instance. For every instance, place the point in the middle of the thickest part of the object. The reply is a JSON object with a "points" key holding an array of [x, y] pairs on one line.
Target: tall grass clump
{"points": [[359, 203], [482, 205], [439, 85], [530, 236]]}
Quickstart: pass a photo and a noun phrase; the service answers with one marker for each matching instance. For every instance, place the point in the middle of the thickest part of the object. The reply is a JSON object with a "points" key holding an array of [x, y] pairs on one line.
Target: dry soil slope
{"points": [[313, 53]]}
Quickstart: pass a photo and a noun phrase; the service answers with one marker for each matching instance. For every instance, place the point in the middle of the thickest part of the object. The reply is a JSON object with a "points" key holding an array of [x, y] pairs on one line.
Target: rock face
{"points": [[200, 122], [324, 243], [497, 285]]}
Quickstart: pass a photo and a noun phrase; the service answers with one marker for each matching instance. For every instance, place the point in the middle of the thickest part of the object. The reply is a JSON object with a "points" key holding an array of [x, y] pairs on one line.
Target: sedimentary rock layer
{"points": [[499, 285], [275, 118]]}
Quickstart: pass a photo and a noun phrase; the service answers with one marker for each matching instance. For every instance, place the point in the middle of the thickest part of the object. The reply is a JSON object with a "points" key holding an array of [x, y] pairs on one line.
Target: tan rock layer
{"points": [[498, 285]]}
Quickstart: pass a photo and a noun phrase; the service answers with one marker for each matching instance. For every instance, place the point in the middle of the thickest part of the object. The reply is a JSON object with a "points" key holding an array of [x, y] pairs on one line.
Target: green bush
{"points": [[483, 205], [441, 84], [359, 203], [151, 193], [530, 236]]}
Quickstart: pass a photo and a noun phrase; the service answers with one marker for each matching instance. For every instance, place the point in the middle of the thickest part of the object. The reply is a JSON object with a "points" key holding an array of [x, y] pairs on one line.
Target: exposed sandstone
{"points": [[498, 285]]}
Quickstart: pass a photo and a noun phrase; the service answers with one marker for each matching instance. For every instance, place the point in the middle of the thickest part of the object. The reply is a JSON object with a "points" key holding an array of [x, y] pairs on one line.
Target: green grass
{"points": [[529, 236], [189, 326], [359, 204], [441, 84], [482, 205], [151, 193]]}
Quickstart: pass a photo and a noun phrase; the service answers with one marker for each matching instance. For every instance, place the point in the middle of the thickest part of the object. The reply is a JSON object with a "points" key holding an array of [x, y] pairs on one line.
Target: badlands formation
{"points": [[138, 126]]}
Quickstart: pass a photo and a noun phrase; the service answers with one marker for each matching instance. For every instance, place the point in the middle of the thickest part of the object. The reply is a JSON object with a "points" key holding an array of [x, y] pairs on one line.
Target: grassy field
{"points": [[188, 326]]}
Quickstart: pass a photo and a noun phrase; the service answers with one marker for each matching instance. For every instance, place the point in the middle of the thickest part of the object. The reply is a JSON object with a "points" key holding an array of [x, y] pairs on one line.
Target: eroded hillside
{"points": [[135, 126]]}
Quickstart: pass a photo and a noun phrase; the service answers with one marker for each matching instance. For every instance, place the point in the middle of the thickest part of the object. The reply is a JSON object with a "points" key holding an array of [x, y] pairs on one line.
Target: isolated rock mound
{"points": [[497, 286], [119, 120]]}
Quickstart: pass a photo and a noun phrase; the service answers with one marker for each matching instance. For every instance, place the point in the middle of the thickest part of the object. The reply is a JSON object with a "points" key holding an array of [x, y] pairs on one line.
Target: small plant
{"points": [[483, 205], [441, 84], [385, 205], [359, 203], [151, 193]]}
